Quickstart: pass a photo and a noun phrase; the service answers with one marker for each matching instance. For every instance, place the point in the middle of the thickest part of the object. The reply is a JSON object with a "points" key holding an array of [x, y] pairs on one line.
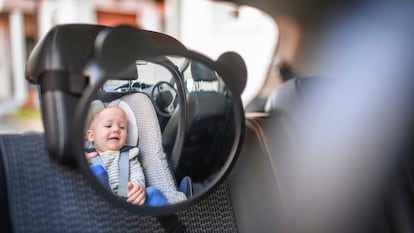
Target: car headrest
{"points": [[132, 135], [289, 94], [130, 73], [57, 65], [200, 72], [65, 48], [283, 96]]}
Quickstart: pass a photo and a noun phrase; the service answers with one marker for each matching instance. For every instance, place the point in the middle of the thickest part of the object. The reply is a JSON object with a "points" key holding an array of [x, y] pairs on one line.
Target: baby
{"points": [[108, 133]]}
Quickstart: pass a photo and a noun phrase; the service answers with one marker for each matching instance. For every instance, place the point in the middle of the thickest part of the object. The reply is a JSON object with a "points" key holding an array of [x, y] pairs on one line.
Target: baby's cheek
{"points": [[123, 139]]}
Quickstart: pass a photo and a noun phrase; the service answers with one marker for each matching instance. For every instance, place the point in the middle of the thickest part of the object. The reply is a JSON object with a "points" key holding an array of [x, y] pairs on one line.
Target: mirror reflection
{"points": [[160, 131]]}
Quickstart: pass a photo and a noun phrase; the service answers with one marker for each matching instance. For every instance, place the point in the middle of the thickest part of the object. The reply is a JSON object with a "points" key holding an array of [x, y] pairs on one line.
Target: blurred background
{"points": [[352, 128], [209, 27]]}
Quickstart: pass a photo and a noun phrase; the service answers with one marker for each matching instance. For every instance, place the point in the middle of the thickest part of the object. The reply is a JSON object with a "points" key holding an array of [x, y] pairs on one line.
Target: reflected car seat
{"points": [[144, 132]]}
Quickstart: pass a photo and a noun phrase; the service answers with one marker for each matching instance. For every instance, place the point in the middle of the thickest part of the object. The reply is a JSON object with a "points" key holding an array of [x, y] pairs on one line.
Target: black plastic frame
{"points": [[230, 67]]}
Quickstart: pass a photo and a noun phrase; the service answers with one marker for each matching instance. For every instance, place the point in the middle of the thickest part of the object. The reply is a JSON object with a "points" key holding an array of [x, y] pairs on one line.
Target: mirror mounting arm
{"points": [[171, 224]]}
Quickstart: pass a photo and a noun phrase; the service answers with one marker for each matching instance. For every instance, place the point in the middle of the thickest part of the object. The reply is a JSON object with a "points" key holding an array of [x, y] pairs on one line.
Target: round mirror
{"points": [[161, 131]]}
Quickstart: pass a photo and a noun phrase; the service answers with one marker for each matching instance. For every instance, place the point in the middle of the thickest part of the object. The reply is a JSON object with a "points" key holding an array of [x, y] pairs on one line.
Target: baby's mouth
{"points": [[114, 138]]}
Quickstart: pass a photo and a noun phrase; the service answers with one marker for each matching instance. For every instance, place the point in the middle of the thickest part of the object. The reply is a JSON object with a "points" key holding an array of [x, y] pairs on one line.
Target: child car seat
{"points": [[144, 131]]}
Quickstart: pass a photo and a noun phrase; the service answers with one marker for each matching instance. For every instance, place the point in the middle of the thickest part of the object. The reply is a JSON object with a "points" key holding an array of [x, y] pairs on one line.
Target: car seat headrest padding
{"points": [[132, 137], [153, 159]]}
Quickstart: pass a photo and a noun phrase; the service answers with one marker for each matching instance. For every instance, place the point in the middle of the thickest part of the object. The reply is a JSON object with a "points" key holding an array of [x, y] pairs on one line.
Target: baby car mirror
{"points": [[157, 129], [154, 127]]}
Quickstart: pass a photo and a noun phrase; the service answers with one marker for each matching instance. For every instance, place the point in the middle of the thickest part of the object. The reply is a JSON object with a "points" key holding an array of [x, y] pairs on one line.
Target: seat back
{"points": [[263, 176], [256, 180], [153, 159], [45, 196]]}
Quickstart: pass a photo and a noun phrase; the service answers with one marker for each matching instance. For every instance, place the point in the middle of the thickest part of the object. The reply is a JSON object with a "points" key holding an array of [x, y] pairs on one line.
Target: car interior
{"points": [[272, 167]]}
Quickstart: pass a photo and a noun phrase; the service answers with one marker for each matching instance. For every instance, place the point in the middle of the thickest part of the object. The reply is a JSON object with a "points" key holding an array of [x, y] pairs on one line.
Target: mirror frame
{"points": [[107, 47]]}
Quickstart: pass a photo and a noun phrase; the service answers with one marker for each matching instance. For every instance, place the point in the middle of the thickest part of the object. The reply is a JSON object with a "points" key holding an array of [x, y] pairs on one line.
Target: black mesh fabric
{"points": [[47, 197]]}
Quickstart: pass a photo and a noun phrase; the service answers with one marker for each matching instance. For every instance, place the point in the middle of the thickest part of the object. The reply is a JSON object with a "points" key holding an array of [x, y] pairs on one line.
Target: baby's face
{"points": [[109, 130]]}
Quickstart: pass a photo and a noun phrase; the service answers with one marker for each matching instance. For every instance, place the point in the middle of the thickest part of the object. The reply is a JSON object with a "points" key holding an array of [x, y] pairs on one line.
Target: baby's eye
{"points": [[122, 127], [107, 126]]}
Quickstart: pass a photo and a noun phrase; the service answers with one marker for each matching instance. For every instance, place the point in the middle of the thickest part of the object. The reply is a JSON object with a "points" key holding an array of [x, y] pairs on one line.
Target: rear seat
{"points": [[256, 182]]}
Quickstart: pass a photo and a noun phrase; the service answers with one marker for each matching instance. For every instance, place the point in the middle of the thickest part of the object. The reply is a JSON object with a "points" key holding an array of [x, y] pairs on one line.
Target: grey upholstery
{"points": [[44, 196], [153, 159], [254, 181], [258, 182]]}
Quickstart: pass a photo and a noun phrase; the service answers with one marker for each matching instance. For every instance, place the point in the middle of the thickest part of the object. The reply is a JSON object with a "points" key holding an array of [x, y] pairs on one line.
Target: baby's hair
{"points": [[95, 115]]}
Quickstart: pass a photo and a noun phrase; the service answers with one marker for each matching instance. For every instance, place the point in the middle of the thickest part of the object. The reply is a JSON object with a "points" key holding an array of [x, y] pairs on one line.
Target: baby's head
{"points": [[108, 129]]}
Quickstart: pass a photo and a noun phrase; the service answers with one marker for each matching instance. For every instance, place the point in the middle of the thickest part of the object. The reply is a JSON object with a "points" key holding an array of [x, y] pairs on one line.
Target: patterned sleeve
{"points": [[136, 173]]}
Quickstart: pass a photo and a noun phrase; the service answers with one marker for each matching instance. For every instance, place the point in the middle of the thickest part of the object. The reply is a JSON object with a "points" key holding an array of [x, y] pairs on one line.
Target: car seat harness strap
{"points": [[123, 171]]}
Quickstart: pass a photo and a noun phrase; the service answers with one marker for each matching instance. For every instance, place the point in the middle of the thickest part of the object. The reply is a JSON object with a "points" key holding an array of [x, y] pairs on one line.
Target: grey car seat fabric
{"points": [[254, 182], [144, 131], [289, 97], [153, 159], [258, 180], [46, 197]]}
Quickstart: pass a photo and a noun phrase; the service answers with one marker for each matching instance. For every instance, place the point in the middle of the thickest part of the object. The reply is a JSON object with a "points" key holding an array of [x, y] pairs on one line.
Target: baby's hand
{"points": [[136, 194], [91, 155]]}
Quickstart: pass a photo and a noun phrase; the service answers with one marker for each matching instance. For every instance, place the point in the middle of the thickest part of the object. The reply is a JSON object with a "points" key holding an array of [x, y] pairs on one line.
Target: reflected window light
{"points": [[203, 86]]}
